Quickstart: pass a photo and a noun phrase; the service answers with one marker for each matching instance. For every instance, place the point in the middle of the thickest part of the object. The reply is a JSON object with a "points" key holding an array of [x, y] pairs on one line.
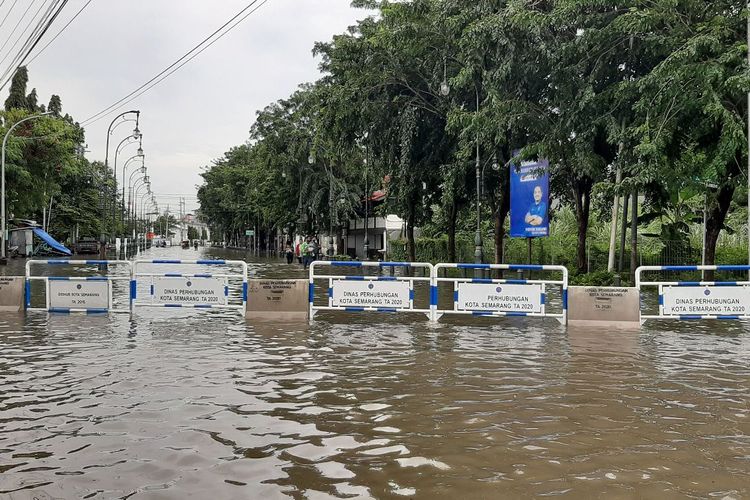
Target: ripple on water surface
{"points": [[206, 406]]}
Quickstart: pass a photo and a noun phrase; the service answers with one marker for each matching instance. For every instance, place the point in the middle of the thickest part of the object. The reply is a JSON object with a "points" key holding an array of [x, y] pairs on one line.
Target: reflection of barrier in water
{"points": [[199, 290], [86, 293], [370, 291], [501, 297], [695, 300]]}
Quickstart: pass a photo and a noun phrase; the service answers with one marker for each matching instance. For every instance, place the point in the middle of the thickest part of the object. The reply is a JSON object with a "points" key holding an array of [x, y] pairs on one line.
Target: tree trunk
{"points": [[582, 195], [452, 216], [634, 236], [717, 213], [410, 243]]}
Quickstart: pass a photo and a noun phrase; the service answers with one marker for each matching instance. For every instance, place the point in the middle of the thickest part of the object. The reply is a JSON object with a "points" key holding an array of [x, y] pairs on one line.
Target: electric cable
{"points": [[176, 64]]}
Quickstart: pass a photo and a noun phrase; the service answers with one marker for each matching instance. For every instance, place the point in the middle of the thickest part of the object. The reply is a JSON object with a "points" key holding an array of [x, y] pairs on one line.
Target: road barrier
{"points": [[90, 294], [370, 292], [197, 290], [500, 297], [695, 300]]}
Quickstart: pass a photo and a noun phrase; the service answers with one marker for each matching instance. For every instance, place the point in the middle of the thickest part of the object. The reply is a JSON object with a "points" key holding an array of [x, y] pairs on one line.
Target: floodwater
{"points": [[203, 404]]}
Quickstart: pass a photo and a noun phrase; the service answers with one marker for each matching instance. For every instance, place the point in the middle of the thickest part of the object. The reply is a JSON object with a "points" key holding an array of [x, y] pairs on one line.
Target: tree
{"points": [[55, 105], [17, 97]]}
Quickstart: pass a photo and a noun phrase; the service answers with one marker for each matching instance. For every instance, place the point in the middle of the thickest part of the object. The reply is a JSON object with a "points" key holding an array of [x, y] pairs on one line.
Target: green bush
{"points": [[598, 278]]}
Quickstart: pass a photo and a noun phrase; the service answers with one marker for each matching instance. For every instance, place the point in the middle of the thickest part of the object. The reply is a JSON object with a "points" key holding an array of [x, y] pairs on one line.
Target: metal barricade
{"points": [[695, 300], [79, 294], [500, 297], [197, 290], [370, 292]]}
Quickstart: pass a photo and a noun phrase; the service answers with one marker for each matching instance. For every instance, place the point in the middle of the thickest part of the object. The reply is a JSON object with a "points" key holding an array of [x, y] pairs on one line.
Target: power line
{"points": [[8, 13], [188, 56], [10, 35], [10, 50], [39, 32], [58, 33]]}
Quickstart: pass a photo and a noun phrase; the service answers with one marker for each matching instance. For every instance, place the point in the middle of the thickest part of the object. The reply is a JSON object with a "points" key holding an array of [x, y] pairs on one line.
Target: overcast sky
{"points": [[206, 107]]}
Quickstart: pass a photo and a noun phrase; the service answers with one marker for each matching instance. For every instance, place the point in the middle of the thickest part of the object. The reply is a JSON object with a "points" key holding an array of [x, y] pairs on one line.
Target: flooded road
{"points": [[207, 405]]}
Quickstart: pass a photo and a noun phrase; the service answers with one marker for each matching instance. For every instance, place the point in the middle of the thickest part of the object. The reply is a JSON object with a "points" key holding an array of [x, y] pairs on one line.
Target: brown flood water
{"points": [[206, 405]]}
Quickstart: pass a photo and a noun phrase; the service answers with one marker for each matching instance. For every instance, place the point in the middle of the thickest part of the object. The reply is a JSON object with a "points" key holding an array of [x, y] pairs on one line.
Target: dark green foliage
{"points": [[17, 97]]}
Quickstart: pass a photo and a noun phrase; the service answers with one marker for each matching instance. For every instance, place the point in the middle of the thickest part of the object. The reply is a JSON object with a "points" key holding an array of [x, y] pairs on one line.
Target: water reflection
{"points": [[207, 405]]}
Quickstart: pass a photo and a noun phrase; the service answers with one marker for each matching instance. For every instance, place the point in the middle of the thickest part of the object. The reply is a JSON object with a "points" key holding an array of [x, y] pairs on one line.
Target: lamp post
{"points": [[138, 155], [135, 190], [147, 185], [141, 171], [124, 230], [3, 253], [111, 127], [478, 249]]}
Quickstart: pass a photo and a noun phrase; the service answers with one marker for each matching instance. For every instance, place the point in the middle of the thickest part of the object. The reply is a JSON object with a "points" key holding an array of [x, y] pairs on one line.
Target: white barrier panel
{"points": [[84, 294], [196, 290], [189, 291], [79, 294], [370, 292], [695, 300], [500, 297]]}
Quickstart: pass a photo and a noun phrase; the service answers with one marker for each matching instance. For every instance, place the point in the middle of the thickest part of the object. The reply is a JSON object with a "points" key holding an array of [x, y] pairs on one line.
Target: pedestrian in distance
{"points": [[304, 252], [297, 252], [289, 252]]}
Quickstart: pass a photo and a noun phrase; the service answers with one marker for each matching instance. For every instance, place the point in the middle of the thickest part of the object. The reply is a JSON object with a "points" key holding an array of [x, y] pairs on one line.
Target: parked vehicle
{"points": [[86, 246]]}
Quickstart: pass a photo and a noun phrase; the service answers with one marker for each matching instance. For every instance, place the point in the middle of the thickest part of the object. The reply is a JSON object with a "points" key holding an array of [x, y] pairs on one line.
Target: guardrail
{"points": [[501, 297], [78, 294], [370, 292], [197, 290], [696, 300]]}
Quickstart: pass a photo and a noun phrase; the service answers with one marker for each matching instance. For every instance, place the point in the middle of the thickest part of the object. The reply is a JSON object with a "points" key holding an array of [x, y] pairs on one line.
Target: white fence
{"points": [[370, 291], [84, 293], [199, 290], [696, 300], [501, 297]]}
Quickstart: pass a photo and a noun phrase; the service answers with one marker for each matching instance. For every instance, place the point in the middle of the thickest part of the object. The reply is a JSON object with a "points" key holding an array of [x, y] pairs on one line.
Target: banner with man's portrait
{"points": [[529, 199]]}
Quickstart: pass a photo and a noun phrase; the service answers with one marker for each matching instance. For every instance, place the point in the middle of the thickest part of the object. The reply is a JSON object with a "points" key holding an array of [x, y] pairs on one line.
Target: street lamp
{"points": [[3, 253], [478, 250], [138, 156], [136, 134]]}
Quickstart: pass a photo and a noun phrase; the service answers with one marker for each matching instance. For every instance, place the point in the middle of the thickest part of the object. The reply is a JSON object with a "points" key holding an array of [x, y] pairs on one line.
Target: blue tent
{"points": [[53, 244]]}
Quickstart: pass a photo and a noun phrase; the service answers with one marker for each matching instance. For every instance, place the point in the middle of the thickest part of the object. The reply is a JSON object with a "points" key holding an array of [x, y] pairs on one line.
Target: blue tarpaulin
{"points": [[52, 242]]}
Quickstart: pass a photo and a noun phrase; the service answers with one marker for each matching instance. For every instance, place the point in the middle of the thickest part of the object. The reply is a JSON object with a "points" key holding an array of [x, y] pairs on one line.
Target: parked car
{"points": [[86, 246]]}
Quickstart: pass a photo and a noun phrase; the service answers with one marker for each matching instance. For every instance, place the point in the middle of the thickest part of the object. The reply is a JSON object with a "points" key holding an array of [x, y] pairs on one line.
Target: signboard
{"points": [[249, 232], [529, 199], [706, 300], [277, 299], [189, 291], [391, 294], [617, 305], [499, 297], [74, 294], [11, 293]]}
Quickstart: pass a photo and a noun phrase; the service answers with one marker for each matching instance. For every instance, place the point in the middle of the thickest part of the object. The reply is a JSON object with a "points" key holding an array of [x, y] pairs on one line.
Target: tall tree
{"points": [[17, 97]]}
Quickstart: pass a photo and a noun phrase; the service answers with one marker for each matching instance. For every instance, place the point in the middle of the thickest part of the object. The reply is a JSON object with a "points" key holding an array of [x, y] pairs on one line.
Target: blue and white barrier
{"points": [[501, 297], [695, 300], [198, 290], [370, 291], [90, 294]]}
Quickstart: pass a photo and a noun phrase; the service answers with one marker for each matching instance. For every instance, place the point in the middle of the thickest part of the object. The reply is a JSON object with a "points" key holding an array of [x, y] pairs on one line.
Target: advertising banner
{"points": [[529, 199]]}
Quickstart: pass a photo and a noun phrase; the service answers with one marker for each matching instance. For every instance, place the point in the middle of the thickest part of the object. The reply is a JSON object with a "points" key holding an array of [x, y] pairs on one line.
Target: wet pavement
{"points": [[206, 404]]}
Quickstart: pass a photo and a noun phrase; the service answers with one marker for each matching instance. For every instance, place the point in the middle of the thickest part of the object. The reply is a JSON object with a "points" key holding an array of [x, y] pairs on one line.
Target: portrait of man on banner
{"points": [[529, 199]]}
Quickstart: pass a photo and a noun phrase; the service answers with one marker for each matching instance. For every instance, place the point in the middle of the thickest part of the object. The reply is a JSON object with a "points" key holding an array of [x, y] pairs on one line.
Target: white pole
{"points": [[3, 229]]}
